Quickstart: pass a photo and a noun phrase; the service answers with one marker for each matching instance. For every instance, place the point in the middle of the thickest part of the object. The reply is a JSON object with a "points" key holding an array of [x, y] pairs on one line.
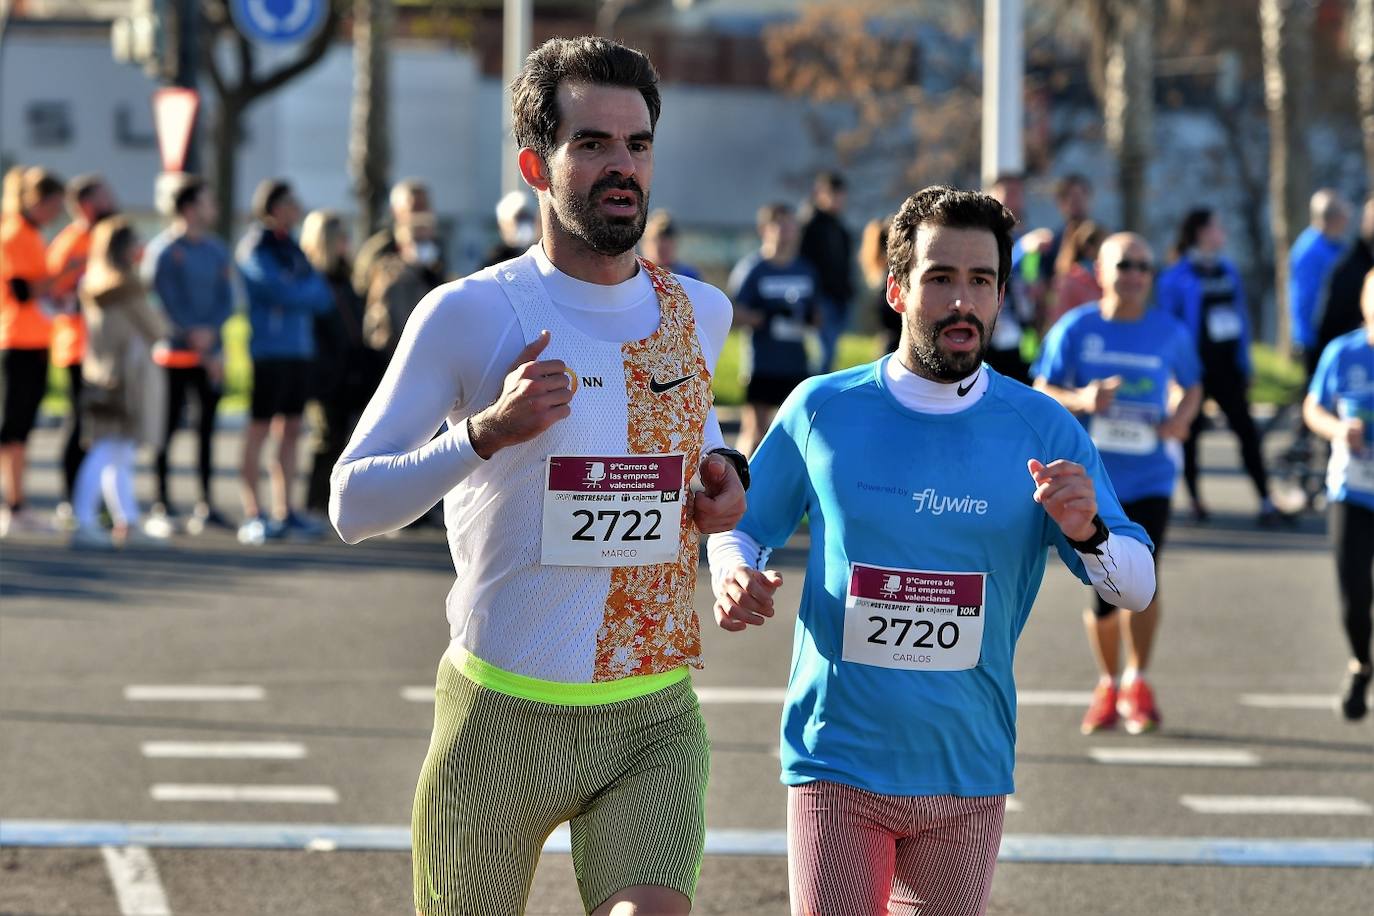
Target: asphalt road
{"points": [[330, 649]]}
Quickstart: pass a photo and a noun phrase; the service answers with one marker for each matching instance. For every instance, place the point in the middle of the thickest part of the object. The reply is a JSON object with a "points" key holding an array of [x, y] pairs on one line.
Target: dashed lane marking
{"points": [[288, 795], [195, 693], [1276, 804], [1174, 757], [224, 750], [1290, 700]]}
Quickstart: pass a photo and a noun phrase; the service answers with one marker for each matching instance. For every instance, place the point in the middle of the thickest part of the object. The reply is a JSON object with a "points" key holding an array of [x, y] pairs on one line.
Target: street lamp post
{"points": [[514, 47], [1003, 74]]}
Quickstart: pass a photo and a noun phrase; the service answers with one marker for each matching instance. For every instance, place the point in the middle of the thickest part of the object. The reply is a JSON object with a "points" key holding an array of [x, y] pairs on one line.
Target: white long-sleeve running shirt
{"points": [[451, 362]]}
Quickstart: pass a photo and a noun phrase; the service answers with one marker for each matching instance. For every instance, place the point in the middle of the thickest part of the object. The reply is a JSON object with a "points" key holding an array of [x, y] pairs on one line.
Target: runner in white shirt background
{"points": [[576, 383]]}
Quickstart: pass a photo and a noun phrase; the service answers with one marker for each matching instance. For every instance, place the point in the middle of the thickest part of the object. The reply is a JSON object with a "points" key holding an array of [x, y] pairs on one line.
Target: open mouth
{"points": [[960, 336], [620, 203]]}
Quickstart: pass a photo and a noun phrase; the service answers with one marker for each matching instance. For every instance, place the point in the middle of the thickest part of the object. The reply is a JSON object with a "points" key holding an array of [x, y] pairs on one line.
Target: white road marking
{"points": [[196, 693], [774, 695], [137, 887], [1174, 757], [418, 694], [300, 795], [1275, 804], [225, 750], [1014, 805], [1340, 852], [1053, 697], [1290, 700]]}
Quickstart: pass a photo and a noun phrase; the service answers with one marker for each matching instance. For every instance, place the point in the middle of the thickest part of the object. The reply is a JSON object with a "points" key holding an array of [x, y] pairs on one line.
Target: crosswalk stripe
{"points": [[197, 693], [138, 889], [1290, 700], [1053, 697], [303, 795], [1275, 804], [774, 695], [1342, 852], [224, 750], [1174, 756], [418, 694]]}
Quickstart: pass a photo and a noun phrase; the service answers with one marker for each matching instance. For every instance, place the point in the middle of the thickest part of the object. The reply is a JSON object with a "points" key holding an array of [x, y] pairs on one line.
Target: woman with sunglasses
{"points": [[1203, 289], [1130, 374]]}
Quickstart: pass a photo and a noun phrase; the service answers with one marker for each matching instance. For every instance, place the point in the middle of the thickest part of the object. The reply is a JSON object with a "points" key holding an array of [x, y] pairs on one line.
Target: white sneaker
{"points": [[142, 536], [63, 518], [160, 527], [25, 521], [253, 532], [90, 537]]}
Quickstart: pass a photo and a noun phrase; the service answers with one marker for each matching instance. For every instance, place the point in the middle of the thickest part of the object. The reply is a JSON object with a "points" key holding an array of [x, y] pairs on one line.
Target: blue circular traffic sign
{"points": [[279, 21]]}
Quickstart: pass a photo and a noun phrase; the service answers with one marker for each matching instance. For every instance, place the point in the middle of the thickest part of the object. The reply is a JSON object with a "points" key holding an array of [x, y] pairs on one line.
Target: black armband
{"points": [[738, 460], [1094, 540]]}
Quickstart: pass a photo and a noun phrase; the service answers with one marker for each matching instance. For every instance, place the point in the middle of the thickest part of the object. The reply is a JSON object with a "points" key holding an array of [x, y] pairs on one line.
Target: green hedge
{"points": [[1278, 379]]}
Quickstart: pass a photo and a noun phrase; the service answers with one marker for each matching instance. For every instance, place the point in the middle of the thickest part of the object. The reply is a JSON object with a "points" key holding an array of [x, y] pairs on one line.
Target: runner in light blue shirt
{"points": [[1340, 408], [934, 488], [1132, 376]]}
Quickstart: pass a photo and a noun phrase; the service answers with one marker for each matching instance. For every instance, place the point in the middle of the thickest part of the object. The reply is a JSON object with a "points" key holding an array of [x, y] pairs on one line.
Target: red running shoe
{"points": [[1137, 706], [1101, 712]]}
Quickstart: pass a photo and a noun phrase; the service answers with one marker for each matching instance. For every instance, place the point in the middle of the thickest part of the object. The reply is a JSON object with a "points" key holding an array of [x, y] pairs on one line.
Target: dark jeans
{"points": [[1352, 537], [73, 453], [180, 383], [1227, 386]]}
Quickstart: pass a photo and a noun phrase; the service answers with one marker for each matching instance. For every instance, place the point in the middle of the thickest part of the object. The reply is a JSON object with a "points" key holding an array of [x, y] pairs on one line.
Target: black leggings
{"points": [[1352, 538], [73, 453], [1227, 386], [179, 383]]}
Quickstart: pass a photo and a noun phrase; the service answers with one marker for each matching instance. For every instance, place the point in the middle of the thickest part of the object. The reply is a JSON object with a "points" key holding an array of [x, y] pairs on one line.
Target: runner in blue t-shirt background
{"points": [[1131, 375], [1340, 408]]}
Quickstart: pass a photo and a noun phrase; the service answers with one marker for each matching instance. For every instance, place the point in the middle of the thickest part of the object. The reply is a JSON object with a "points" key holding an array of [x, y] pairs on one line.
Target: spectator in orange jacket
{"points": [[32, 199]]}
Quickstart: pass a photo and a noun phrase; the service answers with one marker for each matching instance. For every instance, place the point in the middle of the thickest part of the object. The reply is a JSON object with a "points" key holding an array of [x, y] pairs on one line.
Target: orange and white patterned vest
{"points": [[578, 624]]}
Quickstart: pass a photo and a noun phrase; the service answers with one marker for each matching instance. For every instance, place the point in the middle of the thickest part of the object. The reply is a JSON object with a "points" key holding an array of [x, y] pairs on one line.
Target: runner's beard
{"points": [[927, 358], [582, 218]]}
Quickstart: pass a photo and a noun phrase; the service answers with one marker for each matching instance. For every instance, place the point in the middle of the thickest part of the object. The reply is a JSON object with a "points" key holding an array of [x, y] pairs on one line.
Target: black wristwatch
{"points": [[738, 460], [1094, 540]]}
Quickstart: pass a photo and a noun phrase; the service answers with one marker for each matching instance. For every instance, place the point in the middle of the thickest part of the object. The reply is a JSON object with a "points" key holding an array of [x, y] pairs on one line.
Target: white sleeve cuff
{"points": [[729, 549], [1122, 570]]}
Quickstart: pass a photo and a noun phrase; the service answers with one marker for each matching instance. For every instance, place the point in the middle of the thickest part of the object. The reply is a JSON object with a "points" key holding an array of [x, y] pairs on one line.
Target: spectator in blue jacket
{"points": [[1314, 253], [285, 293], [192, 273], [1203, 289]]}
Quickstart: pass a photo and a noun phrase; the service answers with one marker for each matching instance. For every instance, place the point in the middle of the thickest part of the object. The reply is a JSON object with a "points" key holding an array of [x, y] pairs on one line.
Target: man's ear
{"points": [[534, 169], [894, 294]]}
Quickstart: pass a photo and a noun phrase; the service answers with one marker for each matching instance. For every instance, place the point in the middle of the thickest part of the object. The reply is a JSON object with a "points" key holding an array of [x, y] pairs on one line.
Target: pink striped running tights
{"points": [[857, 853]]}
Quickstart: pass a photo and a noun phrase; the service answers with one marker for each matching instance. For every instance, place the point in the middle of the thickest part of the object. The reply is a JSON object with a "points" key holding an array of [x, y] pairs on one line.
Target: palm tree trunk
{"points": [[1363, 31], [1286, 30], [369, 152], [1128, 103]]}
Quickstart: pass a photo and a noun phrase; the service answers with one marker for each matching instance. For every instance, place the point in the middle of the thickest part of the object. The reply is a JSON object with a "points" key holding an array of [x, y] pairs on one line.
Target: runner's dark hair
{"points": [[954, 209], [598, 61]]}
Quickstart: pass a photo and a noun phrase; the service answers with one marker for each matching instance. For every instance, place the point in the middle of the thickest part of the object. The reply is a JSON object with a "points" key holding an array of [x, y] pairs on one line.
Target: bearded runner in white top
{"points": [[572, 520]]}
